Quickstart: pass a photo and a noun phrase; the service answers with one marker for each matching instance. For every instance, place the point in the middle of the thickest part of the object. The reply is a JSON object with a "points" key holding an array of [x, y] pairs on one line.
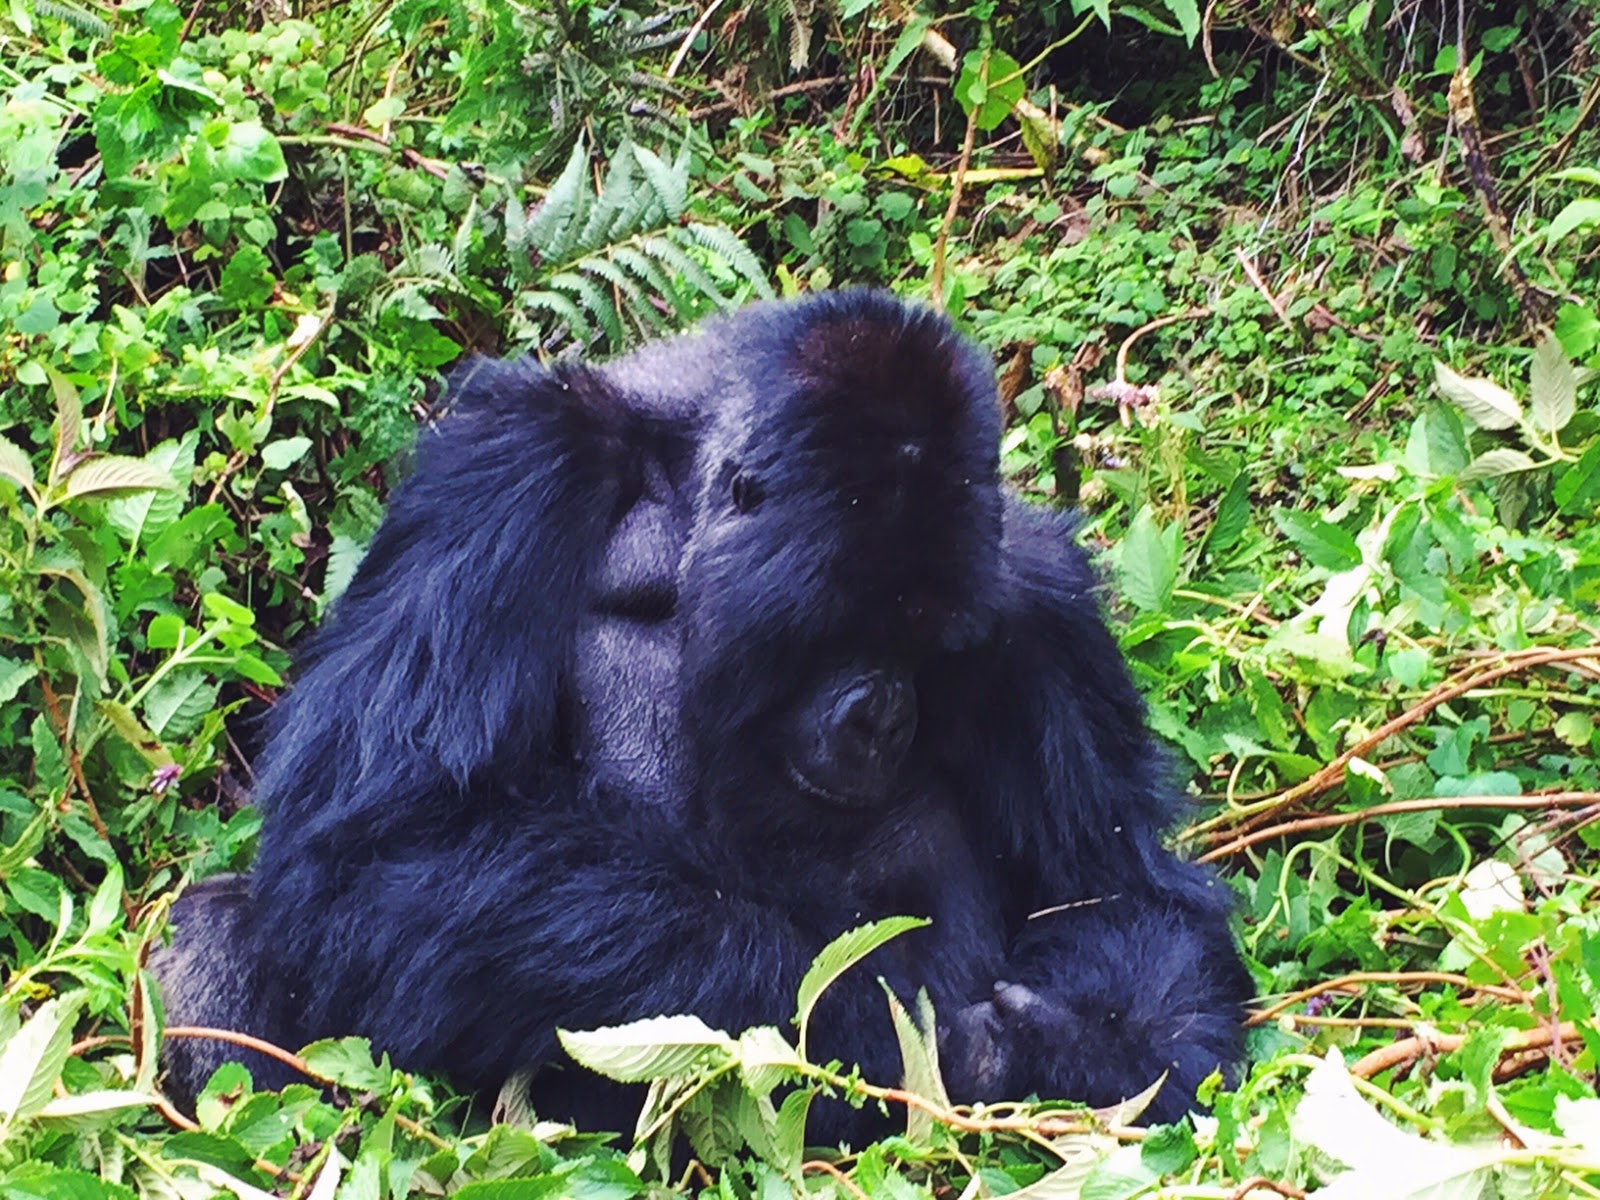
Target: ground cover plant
{"points": [[1298, 304]]}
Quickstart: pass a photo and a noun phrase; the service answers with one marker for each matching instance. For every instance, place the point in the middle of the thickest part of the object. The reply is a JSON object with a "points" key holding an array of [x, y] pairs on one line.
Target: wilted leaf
{"points": [[649, 1049], [69, 419], [1553, 388], [1486, 404]]}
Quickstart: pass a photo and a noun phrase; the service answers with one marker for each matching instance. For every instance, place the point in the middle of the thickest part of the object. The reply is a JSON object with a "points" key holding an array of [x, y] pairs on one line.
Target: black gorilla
{"points": [[660, 675]]}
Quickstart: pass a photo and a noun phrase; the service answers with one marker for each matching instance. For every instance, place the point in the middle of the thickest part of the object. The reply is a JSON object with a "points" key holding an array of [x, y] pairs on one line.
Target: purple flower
{"points": [[164, 777]]}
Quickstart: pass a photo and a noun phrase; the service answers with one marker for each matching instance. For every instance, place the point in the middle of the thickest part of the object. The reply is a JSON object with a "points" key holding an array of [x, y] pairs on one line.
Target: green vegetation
{"points": [[1298, 303]]}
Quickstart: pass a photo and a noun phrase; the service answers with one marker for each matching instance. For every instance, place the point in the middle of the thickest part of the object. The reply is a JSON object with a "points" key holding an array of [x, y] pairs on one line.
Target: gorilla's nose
{"points": [[878, 712]]}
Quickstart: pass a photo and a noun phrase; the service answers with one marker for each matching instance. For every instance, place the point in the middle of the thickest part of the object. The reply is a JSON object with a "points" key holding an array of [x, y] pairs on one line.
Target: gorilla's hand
{"points": [[974, 1053]]}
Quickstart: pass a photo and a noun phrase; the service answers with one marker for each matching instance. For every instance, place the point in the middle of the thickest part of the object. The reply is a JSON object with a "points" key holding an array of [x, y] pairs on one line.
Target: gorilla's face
{"points": [[843, 741]]}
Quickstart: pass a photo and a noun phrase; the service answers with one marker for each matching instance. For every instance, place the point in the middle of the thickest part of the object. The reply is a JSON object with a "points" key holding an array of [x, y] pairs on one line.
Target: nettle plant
{"points": [[1551, 411]]}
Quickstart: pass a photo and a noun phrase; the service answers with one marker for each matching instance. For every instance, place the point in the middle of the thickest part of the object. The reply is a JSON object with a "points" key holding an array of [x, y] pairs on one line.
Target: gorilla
{"points": [[661, 674]]}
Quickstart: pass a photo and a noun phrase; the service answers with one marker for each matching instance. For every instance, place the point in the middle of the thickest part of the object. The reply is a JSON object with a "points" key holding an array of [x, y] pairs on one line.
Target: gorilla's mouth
{"points": [[819, 791]]}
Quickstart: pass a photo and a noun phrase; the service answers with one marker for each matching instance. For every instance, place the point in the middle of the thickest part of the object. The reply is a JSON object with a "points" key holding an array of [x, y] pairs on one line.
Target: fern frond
{"points": [[85, 23], [723, 242], [552, 225], [616, 194], [682, 263], [562, 307], [596, 301], [669, 184], [644, 314]]}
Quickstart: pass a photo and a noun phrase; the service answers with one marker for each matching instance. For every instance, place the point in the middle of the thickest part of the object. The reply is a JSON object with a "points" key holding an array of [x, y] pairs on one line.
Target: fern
{"points": [[85, 23], [605, 267]]}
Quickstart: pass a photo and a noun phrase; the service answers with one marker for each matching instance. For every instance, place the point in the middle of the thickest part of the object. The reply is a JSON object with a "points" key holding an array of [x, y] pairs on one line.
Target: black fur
{"points": [[660, 675]]}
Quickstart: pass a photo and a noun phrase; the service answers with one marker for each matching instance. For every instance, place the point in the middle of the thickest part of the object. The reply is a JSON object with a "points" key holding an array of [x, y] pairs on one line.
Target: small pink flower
{"points": [[164, 778]]}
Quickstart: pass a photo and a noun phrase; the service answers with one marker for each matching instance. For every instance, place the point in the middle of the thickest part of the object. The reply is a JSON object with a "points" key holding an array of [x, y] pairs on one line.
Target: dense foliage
{"points": [[1298, 303]]}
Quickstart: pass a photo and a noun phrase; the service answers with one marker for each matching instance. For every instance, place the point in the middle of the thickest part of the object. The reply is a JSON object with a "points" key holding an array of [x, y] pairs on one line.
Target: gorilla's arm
{"points": [[1128, 969], [465, 957], [445, 657]]}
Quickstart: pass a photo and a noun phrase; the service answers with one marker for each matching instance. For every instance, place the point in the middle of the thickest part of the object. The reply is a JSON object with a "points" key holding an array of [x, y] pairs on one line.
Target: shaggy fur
{"points": [[555, 759]]}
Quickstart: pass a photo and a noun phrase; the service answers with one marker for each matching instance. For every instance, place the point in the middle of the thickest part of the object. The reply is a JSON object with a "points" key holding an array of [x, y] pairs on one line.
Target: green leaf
{"points": [[1493, 463], [14, 464], [284, 453], [1486, 404], [1553, 387], [115, 473], [990, 84], [654, 1048], [148, 514], [1148, 562], [32, 1060], [88, 1111], [174, 706], [105, 906], [1168, 1149], [1187, 14], [250, 152], [13, 676], [1577, 492], [1233, 515], [1575, 215], [1321, 542], [348, 1061], [919, 1056], [839, 955], [69, 419]]}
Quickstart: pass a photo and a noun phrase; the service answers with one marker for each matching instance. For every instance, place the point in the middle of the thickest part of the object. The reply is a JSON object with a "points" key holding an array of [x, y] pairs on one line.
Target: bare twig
{"points": [[1338, 820], [1409, 1049]]}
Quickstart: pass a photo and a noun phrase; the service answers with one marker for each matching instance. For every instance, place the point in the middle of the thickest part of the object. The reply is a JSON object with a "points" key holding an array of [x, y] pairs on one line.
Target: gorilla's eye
{"points": [[746, 492]]}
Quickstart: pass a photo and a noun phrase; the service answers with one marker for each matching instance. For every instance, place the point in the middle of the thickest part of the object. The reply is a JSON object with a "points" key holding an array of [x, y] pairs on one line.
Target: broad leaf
{"points": [[1553, 394], [1493, 463], [147, 514], [1322, 542], [14, 464], [1149, 561], [649, 1049], [32, 1060], [114, 473], [1486, 404]]}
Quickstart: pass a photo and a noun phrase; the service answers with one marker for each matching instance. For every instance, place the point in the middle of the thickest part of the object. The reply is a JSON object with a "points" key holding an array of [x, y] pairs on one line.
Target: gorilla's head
{"points": [[845, 533]]}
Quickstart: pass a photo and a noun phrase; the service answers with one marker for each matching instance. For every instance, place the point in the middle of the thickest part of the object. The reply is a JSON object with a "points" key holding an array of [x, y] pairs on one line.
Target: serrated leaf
{"points": [[113, 473], [839, 955], [1485, 403], [654, 1048], [175, 705], [1494, 463], [147, 514], [105, 906], [1553, 387], [14, 464], [766, 1058], [131, 730], [32, 1060], [919, 1056], [89, 1110], [1148, 564], [13, 675], [1323, 543]]}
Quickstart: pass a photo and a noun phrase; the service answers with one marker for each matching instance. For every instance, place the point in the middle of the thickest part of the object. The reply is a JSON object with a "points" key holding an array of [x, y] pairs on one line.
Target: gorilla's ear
{"points": [[446, 656]]}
